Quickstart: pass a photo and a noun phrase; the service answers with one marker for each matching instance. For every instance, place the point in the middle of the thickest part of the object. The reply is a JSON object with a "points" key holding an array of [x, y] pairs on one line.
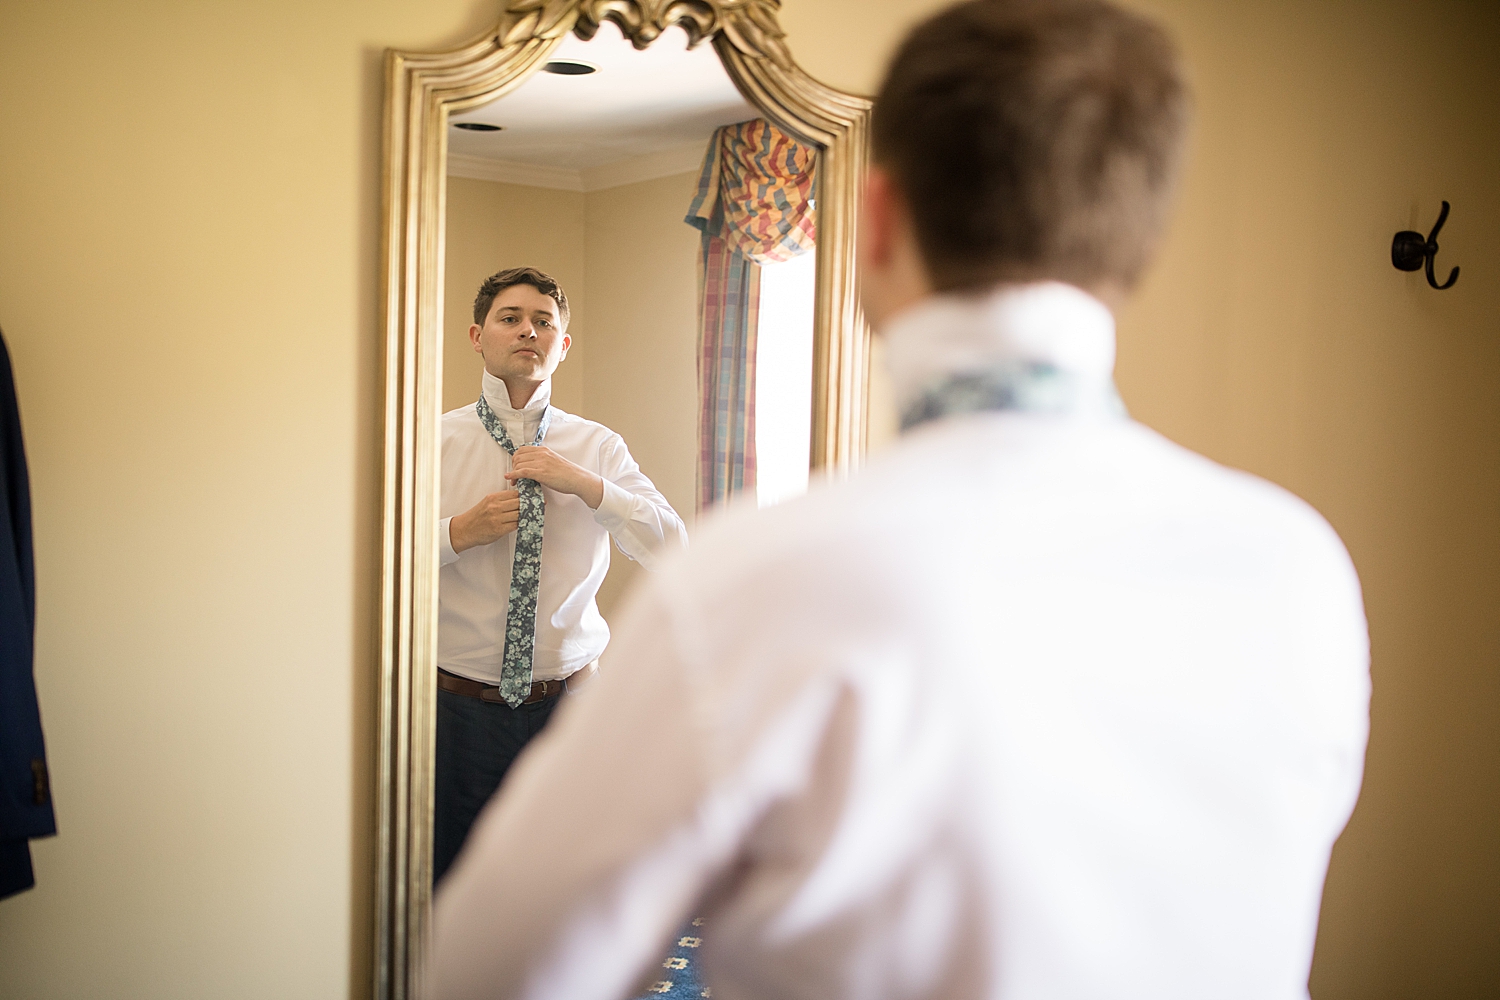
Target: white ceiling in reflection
{"points": [[660, 103]]}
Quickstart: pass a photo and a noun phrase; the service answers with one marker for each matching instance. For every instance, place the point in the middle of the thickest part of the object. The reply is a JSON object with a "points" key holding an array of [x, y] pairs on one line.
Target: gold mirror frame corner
{"points": [[422, 89]]}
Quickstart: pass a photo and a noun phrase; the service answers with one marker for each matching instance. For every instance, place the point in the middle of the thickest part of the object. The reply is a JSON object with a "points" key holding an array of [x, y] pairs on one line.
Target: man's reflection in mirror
{"points": [[531, 498]]}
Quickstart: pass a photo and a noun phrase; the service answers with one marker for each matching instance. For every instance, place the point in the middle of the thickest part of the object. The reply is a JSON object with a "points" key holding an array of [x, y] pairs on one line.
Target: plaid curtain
{"points": [[754, 206]]}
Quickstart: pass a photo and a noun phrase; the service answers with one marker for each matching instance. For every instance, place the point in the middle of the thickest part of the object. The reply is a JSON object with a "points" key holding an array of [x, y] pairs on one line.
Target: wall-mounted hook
{"points": [[1409, 251]]}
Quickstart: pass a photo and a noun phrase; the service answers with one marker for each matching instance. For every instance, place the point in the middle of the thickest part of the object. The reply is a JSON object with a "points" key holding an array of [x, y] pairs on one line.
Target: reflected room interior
{"points": [[589, 171]]}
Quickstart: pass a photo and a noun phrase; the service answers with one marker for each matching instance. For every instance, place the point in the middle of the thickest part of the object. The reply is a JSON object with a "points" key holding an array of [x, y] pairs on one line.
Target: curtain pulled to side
{"points": [[754, 206]]}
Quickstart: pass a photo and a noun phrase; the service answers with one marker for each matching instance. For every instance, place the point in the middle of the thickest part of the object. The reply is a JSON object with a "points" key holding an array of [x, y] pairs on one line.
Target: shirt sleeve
{"points": [[636, 515], [446, 553]]}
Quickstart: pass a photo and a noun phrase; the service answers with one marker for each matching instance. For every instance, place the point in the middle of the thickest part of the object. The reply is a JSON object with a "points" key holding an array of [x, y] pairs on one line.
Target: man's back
{"points": [[1095, 715], [1031, 706]]}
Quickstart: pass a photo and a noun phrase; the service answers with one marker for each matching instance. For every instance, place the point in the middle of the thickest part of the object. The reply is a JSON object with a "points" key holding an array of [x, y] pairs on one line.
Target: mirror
{"points": [[493, 162]]}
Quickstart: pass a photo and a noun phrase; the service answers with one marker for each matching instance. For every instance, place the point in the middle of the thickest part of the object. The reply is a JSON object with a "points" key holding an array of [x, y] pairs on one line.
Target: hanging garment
{"points": [[25, 792]]}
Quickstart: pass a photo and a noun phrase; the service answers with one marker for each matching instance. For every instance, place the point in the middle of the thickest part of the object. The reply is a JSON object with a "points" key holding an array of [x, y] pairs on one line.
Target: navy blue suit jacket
{"points": [[25, 791]]}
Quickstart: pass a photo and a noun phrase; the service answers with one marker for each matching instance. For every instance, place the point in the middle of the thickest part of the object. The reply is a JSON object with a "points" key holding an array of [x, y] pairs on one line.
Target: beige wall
{"points": [[641, 378], [188, 268]]}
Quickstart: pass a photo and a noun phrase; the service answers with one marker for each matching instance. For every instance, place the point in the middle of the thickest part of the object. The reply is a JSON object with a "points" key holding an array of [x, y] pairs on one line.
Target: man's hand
{"points": [[487, 521], [556, 473]]}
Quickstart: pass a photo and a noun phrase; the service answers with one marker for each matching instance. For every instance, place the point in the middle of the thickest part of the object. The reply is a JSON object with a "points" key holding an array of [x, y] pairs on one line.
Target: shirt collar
{"points": [[499, 396], [950, 334]]}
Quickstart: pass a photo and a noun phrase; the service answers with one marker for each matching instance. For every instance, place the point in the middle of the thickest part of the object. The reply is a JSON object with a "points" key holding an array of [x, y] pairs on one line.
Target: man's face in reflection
{"points": [[522, 338]]}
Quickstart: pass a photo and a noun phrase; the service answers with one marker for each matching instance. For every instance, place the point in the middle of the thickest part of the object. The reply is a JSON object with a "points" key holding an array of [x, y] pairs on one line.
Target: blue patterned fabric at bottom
{"points": [[678, 975]]}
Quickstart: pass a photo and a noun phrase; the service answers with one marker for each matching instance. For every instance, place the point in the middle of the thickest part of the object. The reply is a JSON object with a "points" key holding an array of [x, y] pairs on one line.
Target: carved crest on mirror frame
{"points": [[422, 90], [749, 25]]}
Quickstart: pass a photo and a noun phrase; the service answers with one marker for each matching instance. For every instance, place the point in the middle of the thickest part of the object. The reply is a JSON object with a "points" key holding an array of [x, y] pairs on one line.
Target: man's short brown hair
{"points": [[1033, 139], [540, 280]]}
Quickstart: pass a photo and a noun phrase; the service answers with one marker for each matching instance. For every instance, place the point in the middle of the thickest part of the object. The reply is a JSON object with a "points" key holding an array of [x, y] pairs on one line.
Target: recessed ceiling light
{"points": [[570, 67], [479, 127]]}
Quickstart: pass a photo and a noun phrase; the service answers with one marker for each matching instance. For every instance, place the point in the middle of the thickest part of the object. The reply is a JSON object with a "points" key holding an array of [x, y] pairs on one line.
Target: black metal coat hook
{"points": [[1409, 251]]}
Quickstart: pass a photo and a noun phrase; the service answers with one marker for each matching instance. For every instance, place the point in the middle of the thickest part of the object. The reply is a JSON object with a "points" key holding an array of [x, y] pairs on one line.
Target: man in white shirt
{"points": [[1035, 705], [516, 468]]}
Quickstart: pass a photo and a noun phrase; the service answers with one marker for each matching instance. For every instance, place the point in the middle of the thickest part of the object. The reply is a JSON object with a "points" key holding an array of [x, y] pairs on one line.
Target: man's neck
{"points": [[521, 391], [1060, 326]]}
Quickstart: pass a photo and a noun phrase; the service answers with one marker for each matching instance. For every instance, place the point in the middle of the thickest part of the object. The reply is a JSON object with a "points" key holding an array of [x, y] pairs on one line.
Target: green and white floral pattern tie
{"points": [[525, 570]]}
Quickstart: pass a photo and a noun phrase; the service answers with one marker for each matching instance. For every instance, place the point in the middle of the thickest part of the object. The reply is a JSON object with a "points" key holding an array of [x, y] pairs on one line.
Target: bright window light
{"points": [[783, 379]]}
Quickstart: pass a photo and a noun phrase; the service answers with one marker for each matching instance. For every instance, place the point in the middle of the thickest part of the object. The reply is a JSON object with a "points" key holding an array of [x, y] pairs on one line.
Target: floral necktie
{"points": [[525, 570], [1032, 386]]}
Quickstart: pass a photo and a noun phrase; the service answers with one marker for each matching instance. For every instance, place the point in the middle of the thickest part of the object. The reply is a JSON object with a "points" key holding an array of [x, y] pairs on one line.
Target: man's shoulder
{"points": [[462, 413], [1241, 496], [461, 421], [573, 423], [1249, 523], [828, 531], [985, 486]]}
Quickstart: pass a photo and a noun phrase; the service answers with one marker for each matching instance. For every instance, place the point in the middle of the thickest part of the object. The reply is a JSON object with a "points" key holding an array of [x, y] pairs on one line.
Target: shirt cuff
{"points": [[446, 554], [614, 510]]}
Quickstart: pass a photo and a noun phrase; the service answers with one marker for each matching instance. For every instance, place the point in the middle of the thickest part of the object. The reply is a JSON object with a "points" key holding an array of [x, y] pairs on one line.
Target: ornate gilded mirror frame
{"points": [[422, 90]]}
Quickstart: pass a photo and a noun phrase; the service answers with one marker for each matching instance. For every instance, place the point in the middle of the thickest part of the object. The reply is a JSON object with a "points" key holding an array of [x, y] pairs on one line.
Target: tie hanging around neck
{"points": [[525, 570]]}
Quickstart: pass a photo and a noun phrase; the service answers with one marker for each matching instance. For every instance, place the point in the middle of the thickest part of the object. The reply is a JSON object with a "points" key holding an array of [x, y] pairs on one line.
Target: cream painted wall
{"points": [[495, 226], [188, 274], [641, 378]]}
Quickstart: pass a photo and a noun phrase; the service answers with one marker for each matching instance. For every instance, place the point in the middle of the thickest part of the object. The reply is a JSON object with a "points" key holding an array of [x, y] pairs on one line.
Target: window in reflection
{"points": [[783, 364]]}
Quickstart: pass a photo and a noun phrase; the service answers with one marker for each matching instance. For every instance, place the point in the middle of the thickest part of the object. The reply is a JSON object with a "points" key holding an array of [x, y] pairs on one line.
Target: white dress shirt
{"points": [[474, 585], [1032, 706]]}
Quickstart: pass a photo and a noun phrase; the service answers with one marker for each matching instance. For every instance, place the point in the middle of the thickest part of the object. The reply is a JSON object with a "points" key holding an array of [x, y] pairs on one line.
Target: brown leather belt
{"points": [[540, 690]]}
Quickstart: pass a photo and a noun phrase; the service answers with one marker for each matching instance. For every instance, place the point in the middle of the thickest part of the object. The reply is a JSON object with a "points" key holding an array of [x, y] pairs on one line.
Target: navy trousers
{"points": [[476, 743]]}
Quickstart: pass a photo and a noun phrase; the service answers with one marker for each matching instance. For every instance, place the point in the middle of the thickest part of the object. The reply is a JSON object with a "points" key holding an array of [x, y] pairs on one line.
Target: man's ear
{"points": [[891, 273], [567, 342], [474, 331], [877, 223]]}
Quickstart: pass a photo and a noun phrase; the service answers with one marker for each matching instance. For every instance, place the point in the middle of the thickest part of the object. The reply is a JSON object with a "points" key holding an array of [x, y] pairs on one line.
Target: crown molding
{"points": [[663, 163], [480, 168]]}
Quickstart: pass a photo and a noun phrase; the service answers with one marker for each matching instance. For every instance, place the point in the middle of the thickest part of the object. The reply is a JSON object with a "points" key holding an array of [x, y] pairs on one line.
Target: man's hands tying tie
{"points": [[489, 520], [497, 515], [556, 473]]}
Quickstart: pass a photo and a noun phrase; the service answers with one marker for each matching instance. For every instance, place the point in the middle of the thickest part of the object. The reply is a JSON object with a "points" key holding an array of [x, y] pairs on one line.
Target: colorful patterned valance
{"points": [[756, 192]]}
